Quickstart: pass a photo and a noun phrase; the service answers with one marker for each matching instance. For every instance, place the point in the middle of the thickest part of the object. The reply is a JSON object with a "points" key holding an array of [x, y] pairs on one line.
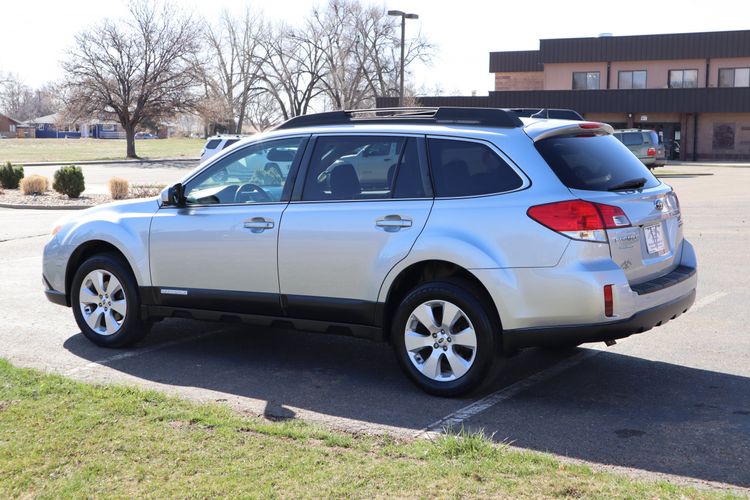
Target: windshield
{"points": [[593, 163]]}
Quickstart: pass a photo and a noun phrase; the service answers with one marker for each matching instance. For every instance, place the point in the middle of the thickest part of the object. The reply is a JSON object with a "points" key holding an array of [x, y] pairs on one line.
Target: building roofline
{"points": [[700, 45]]}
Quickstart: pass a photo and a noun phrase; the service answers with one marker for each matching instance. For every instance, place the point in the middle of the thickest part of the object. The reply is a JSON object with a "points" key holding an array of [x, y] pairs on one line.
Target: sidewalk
{"points": [[676, 163]]}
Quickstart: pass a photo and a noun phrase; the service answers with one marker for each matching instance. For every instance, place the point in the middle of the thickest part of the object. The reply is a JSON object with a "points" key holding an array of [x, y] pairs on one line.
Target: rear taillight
{"points": [[609, 305], [579, 219], [651, 152]]}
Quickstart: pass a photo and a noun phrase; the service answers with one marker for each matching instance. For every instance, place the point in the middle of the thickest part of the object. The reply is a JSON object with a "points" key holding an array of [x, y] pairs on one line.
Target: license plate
{"points": [[654, 238]]}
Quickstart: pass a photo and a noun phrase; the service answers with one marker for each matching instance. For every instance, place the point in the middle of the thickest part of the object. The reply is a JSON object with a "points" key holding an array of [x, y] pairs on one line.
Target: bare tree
{"points": [[134, 71], [293, 68], [235, 61], [362, 46], [22, 102]]}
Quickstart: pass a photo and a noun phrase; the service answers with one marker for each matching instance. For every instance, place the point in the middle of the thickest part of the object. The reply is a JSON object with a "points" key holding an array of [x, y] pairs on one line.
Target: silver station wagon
{"points": [[475, 233]]}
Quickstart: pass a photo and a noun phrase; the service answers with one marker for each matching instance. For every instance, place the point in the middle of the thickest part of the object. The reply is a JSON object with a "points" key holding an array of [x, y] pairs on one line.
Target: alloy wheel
{"points": [[440, 340], [103, 302]]}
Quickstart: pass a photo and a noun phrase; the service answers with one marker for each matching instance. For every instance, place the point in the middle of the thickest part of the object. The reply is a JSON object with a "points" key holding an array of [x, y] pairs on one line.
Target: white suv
{"points": [[485, 233], [217, 143]]}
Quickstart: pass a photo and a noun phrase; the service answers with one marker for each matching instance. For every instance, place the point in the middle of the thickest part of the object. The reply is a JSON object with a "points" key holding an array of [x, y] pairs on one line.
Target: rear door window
{"points": [[229, 143], [364, 168], [463, 168], [596, 163], [213, 143]]}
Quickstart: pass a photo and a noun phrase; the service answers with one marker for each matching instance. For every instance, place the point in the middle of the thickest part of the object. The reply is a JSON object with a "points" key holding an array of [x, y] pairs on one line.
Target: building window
{"points": [[12, 129], [723, 136], [586, 80], [683, 78], [632, 79], [734, 77]]}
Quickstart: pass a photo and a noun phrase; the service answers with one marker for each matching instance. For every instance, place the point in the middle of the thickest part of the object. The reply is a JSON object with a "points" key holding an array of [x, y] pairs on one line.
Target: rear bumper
{"points": [[577, 334]]}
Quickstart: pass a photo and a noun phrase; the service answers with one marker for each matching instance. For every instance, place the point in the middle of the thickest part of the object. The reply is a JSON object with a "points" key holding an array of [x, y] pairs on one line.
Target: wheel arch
{"points": [[432, 270], [85, 251]]}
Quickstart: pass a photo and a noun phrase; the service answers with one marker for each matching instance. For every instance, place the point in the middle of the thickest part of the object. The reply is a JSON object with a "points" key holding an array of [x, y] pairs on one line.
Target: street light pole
{"points": [[404, 16]]}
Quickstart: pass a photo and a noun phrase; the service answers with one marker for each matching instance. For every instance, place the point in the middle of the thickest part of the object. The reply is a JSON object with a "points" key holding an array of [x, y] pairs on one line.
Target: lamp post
{"points": [[404, 16]]}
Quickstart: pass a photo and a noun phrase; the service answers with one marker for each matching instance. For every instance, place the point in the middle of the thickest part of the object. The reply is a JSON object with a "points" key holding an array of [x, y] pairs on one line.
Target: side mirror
{"points": [[173, 195]]}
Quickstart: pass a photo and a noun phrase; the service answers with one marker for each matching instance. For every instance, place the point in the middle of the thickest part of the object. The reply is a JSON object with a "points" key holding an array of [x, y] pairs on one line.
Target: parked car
{"points": [[146, 135], [560, 114], [491, 234], [646, 145], [218, 143]]}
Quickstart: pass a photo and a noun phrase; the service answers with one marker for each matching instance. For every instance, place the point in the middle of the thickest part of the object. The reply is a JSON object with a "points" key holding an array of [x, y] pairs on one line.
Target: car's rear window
{"points": [[596, 163], [213, 143], [632, 138]]}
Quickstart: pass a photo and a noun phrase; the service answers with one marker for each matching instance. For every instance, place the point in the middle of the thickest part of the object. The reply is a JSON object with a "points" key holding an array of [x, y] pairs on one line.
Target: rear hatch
{"points": [[597, 168]]}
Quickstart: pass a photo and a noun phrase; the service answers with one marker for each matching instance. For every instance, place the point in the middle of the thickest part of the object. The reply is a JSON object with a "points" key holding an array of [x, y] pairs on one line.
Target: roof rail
{"points": [[492, 117]]}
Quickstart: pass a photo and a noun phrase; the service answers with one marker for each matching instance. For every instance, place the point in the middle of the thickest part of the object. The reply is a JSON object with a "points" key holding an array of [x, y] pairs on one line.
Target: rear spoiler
{"points": [[543, 130]]}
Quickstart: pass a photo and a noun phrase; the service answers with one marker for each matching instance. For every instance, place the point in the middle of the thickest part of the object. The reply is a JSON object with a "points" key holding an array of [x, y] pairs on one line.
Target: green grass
{"points": [[40, 150], [60, 438]]}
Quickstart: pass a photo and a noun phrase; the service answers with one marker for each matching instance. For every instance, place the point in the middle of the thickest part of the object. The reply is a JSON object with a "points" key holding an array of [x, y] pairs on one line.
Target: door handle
{"points": [[393, 222], [257, 224]]}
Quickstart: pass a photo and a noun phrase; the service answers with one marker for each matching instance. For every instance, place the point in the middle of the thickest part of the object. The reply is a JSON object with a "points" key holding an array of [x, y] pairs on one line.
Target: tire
{"points": [[454, 367], [107, 320]]}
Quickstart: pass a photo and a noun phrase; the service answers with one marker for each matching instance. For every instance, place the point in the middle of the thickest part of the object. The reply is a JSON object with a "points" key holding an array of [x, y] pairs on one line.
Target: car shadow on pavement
{"points": [[610, 409]]}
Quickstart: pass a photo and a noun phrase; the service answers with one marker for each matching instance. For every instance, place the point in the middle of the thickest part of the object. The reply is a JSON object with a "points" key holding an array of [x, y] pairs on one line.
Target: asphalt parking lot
{"points": [[672, 401]]}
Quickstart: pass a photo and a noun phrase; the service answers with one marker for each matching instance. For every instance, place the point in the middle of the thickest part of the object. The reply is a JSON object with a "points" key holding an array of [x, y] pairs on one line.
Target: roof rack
{"points": [[491, 117]]}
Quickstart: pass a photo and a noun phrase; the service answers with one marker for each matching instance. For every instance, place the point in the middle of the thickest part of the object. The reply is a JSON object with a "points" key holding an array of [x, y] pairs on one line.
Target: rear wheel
{"points": [[105, 301], [444, 338]]}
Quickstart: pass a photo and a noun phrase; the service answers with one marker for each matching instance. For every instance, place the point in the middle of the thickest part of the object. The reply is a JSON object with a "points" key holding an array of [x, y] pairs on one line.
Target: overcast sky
{"points": [[36, 34]]}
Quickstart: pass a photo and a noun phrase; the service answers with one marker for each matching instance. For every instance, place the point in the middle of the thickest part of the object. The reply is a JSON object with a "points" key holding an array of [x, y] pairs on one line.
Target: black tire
{"points": [[480, 315], [133, 328]]}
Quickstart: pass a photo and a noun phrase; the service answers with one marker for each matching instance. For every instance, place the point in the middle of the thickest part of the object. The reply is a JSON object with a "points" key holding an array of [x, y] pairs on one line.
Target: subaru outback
{"points": [[487, 233]]}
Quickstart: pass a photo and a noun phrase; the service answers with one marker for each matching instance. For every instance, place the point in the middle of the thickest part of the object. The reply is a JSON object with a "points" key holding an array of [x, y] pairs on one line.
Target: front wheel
{"points": [[444, 338], [105, 302]]}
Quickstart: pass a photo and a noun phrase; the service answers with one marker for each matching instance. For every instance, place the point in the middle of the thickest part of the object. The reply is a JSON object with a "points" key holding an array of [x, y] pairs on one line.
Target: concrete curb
{"points": [[45, 207], [103, 162]]}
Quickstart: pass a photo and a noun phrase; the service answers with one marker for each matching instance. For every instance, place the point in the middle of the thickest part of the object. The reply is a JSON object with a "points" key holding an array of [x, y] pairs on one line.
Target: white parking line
{"points": [[467, 412], [139, 352], [708, 299]]}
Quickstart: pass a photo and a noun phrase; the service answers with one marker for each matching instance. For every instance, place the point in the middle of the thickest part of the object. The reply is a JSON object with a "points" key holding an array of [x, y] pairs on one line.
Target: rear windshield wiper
{"points": [[631, 184]]}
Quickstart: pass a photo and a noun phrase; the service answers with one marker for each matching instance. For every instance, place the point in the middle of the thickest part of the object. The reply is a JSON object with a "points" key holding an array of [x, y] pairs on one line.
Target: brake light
{"points": [[579, 219], [609, 306], [589, 125], [651, 151]]}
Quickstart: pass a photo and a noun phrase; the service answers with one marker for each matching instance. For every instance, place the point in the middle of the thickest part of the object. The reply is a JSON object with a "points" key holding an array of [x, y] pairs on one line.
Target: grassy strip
{"points": [[39, 150], [68, 439]]}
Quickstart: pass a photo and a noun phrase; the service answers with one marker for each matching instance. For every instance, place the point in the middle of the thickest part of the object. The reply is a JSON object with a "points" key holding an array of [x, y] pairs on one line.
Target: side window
{"points": [[229, 143], [363, 168], [253, 174], [462, 168], [213, 143]]}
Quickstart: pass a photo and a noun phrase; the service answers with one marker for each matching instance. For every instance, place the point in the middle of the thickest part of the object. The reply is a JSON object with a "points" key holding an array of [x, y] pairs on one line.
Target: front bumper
{"points": [[578, 334], [53, 295]]}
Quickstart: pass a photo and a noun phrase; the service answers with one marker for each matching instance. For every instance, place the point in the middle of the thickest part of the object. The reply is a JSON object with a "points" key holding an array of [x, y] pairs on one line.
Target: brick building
{"points": [[693, 87], [8, 126]]}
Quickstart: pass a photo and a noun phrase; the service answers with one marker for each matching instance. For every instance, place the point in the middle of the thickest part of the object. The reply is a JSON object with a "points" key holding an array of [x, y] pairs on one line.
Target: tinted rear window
{"points": [[213, 143], [632, 138], [593, 163]]}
